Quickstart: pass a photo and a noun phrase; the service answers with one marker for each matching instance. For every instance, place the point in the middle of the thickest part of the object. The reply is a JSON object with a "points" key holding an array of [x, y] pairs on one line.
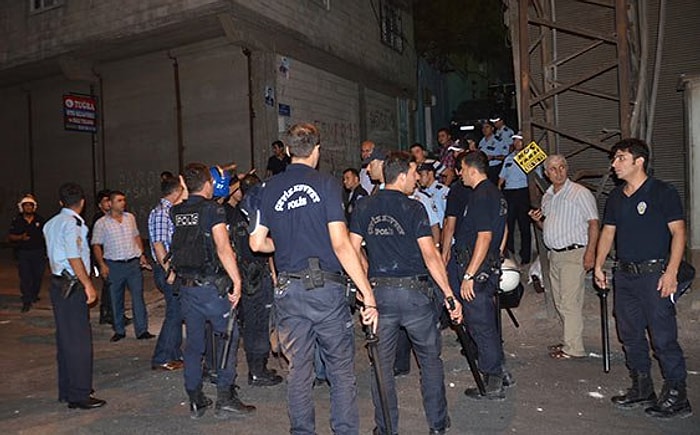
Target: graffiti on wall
{"points": [[381, 127], [142, 190], [340, 141]]}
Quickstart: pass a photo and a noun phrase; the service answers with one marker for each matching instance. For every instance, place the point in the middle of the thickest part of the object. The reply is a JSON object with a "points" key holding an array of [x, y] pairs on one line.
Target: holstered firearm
{"points": [[468, 350], [228, 337], [69, 284]]}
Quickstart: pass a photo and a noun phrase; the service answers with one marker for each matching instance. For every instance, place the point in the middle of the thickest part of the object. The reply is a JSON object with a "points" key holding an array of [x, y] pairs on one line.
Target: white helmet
{"points": [[510, 276]]}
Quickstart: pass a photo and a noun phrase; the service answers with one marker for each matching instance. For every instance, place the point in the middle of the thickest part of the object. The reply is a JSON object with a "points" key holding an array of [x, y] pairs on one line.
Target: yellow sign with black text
{"points": [[530, 157]]}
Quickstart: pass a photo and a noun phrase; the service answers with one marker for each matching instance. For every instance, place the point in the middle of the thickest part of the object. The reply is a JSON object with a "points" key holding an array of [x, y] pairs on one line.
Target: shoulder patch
{"points": [[78, 222]]}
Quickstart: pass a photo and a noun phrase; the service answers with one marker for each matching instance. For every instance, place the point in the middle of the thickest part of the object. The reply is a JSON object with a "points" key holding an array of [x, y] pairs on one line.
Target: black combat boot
{"points": [[198, 403], [641, 393], [494, 389], [227, 401], [260, 376], [672, 403]]}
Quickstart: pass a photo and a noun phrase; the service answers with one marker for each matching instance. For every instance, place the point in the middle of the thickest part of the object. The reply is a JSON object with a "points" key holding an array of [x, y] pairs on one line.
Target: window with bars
{"points": [[391, 25], [36, 6]]}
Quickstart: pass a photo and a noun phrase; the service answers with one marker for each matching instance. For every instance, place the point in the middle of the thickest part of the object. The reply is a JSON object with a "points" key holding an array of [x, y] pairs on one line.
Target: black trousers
{"points": [[73, 344], [255, 325], [31, 264], [518, 206]]}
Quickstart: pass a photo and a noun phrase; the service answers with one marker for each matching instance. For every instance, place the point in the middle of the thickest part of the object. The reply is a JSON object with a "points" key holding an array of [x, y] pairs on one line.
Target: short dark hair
{"points": [[396, 162], [417, 145], [278, 143], [166, 174], [249, 181], [196, 176], [445, 130], [113, 194], [474, 159], [102, 194], [302, 138], [70, 194], [353, 171], [169, 185], [636, 147]]}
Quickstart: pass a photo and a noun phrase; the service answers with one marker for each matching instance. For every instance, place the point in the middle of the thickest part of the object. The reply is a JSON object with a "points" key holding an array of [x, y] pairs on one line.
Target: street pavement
{"points": [[550, 397]]}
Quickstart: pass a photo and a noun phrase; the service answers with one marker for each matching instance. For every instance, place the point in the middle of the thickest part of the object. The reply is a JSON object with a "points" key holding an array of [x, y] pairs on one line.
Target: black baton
{"points": [[468, 345], [228, 338]]}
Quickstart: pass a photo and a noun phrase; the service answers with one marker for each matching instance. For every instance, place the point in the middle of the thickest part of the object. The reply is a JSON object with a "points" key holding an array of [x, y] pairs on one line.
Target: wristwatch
{"points": [[467, 276]]}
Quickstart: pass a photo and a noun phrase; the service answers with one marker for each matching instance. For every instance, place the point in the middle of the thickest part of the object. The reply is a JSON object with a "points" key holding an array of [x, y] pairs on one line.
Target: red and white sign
{"points": [[80, 113]]}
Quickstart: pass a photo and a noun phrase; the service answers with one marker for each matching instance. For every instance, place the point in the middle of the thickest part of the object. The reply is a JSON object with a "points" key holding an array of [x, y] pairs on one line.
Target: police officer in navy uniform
{"points": [[26, 233], [210, 285], [302, 209], [645, 278], [513, 182], [480, 237], [69, 258], [399, 247], [256, 297]]}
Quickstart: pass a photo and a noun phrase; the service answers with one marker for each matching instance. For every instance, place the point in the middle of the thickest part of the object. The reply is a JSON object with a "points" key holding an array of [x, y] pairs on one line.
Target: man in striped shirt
{"points": [[569, 220]]}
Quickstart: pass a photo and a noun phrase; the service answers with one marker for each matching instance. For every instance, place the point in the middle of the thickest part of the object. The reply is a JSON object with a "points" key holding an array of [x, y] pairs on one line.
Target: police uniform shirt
{"points": [[485, 211], [391, 223], [430, 207], [457, 201], [493, 147], [514, 176], [438, 194], [641, 220], [66, 237], [297, 206], [33, 229], [505, 135]]}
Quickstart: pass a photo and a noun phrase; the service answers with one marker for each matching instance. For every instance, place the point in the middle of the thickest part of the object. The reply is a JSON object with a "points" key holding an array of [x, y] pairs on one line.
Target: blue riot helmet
{"points": [[221, 180]]}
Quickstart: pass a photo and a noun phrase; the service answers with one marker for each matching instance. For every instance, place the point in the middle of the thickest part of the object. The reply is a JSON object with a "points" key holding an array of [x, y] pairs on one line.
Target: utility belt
{"points": [[643, 267], [312, 277], [417, 282], [311, 280], [490, 265], [223, 282]]}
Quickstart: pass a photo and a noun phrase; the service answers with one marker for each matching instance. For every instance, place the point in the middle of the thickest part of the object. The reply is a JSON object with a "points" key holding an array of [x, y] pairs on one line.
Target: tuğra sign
{"points": [[80, 113]]}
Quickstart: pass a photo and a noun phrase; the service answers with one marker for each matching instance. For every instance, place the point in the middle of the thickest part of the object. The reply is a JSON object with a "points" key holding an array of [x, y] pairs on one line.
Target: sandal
{"points": [[555, 347], [561, 355]]}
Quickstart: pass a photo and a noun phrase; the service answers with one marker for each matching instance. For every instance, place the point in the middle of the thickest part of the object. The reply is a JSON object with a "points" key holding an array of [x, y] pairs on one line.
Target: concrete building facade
{"points": [[175, 81]]}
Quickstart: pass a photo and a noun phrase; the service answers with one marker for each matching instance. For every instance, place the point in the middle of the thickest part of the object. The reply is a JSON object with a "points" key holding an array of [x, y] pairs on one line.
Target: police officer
{"points": [[503, 132], [256, 297], [69, 258], [436, 191], [206, 270], [302, 209], [495, 150], [399, 247], [25, 232], [480, 235], [513, 182], [645, 277]]}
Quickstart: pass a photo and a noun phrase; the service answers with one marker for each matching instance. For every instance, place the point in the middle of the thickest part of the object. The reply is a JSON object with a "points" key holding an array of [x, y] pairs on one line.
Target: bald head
{"points": [[366, 149]]}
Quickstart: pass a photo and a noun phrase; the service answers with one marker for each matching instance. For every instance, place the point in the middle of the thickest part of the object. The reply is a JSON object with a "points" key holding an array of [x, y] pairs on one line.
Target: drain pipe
{"points": [[251, 111], [178, 114]]}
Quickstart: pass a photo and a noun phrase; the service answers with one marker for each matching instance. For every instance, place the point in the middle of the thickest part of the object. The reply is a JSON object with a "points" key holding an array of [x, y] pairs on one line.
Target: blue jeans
{"points": [[199, 305], [415, 312], [122, 275], [639, 308], [310, 318], [169, 344], [480, 315]]}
